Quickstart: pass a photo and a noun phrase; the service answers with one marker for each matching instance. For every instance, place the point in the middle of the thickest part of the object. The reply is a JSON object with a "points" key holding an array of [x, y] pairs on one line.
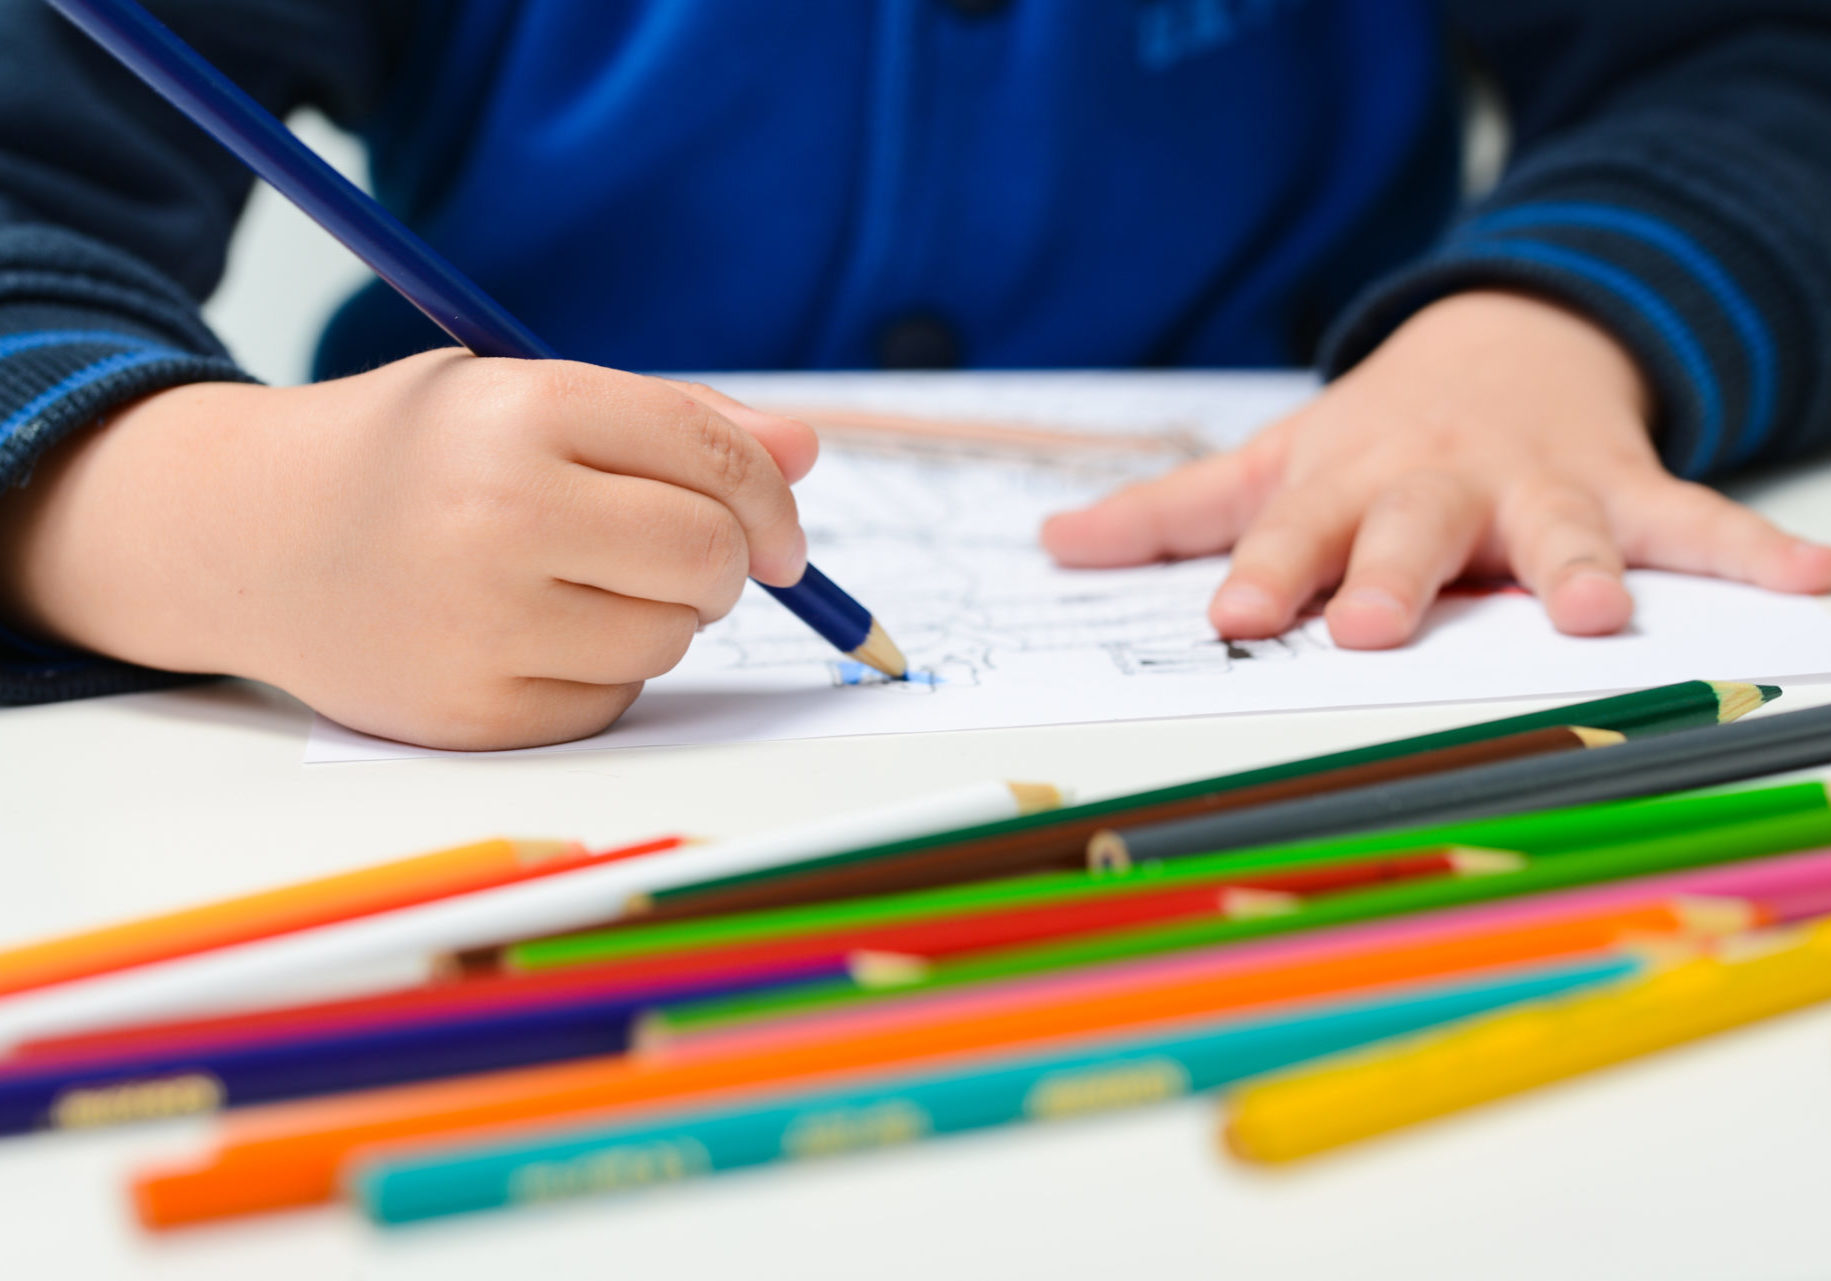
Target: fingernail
{"points": [[1245, 600], [1372, 598]]}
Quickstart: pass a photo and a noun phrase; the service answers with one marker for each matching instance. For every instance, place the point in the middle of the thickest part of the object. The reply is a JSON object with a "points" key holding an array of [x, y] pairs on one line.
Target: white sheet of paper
{"points": [[939, 541]]}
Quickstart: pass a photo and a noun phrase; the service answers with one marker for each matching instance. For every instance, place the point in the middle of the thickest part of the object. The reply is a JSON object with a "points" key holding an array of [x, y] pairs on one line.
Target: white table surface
{"points": [[1714, 1162]]}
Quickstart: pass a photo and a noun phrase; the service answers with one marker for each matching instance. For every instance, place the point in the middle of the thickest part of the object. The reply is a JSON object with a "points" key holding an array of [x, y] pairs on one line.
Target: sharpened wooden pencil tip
{"points": [[534, 853], [1106, 852], [1035, 798], [1598, 737], [881, 653], [1251, 904], [1736, 699], [1715, 915], [649, 1035], [886, 969], [1479, 862]]}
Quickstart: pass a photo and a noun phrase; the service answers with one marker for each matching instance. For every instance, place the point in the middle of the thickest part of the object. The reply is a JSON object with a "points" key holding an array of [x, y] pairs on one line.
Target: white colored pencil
{"points": [[240, 975]]}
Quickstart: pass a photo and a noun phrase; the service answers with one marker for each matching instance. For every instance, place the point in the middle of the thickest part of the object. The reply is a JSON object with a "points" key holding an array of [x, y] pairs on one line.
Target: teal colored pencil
{"points": [[1064, 1082]]}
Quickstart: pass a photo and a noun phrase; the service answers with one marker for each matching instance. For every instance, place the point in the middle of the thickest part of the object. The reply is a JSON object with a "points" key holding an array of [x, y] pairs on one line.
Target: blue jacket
{"points": [[665, 184]]}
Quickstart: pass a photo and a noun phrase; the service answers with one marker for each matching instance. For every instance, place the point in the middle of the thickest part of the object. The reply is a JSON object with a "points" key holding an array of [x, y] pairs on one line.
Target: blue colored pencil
{"points": [[1160, 1064], [223, 1069], [418, 272]]}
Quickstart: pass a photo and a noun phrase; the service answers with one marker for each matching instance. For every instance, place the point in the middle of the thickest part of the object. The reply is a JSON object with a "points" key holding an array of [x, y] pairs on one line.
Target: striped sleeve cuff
{"points": [[1708, 312], [83, 331]]}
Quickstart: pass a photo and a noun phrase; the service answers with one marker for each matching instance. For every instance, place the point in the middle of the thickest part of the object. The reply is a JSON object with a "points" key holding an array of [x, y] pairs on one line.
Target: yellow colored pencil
{"points": [[382, 887], [1357, 1096]]}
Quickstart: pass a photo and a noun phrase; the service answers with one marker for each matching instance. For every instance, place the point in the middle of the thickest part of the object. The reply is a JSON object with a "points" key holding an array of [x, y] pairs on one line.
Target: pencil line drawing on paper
{"points": [[942, 541]]}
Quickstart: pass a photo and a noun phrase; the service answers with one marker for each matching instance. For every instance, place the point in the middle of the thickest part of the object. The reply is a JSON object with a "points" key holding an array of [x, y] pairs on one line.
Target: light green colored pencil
{"points": [[1670, 852]]}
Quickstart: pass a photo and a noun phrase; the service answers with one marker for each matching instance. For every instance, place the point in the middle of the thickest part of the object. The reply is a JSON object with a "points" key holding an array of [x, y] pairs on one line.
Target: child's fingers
{"points": [[791, 442], [583, 635], [1296, 547], [545, 711], [1416, 536], [677, 439], [641, 538], [1196, 510], [1692, 528], [1562, 548]]}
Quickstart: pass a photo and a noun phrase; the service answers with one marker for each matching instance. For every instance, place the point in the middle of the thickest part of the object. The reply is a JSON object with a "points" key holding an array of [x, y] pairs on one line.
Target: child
{"points": [[477, 553]]}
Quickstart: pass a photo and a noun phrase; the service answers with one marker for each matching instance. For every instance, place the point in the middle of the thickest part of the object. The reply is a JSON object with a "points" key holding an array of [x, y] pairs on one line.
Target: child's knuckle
{"points": [[721, 449]]}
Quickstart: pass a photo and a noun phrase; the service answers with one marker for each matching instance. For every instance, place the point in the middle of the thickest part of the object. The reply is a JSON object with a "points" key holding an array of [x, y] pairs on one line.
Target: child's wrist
{"points": [[1479, 328]]}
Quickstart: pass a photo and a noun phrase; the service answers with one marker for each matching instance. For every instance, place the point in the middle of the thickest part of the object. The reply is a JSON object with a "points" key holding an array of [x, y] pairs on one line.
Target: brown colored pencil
{"points": [[1063, 847]]}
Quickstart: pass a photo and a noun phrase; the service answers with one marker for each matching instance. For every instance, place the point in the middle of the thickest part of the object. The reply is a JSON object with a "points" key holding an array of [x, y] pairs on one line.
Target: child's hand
{"points": [[1492, 433], [457, 552]]}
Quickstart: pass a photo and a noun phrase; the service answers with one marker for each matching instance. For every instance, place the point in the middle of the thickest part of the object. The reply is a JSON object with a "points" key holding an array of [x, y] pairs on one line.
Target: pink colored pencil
{"points": [[1788, 887]]}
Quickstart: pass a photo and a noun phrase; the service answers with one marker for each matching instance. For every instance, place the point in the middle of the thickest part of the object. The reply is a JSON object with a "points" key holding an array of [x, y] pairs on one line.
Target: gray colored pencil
{"points": [[1640, 767]]}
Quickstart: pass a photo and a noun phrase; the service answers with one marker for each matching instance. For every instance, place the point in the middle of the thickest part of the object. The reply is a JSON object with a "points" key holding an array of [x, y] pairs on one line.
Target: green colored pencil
{"points": [[1644, 712], [1543, 833], [1035, 1084], [1670, 852]]}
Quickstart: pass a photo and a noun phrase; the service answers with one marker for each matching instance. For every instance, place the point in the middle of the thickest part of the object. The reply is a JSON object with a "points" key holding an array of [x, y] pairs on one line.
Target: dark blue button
{"points": [[921, 340], [977, 8]]}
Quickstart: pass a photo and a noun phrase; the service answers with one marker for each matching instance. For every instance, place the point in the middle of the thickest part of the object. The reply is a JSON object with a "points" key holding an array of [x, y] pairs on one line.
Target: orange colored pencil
{"points": [[303, 905], [291, 1155]]}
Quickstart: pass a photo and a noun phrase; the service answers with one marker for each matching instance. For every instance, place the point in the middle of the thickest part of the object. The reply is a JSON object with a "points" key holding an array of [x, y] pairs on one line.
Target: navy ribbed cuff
{"points": [[1670, 265]]}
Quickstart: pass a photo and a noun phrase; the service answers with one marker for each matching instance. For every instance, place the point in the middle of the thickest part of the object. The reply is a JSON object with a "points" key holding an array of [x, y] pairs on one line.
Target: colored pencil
{"points": [[982, 861], [230, 975], [935, 935], [1462, 946], [362, 892], [200, 1075], [1684, 759], [1066, 831], [431, 1002], [1668, 853], [1787, 888], [1355, 1098], [1544, 833], [294, 1153], [416, 271], [1070, 1081]]}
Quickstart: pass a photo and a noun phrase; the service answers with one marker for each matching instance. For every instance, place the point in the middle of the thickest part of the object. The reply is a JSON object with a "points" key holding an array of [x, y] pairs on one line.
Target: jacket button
{"points": [[919, 341], [977, 8]]}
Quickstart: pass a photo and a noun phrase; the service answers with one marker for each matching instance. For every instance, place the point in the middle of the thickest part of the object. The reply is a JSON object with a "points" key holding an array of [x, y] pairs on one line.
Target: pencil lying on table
{"points": [[1550, 832], [987, 860], [1567, 870], [232, 975], [1064, 833], [1342, 1102], [226, 1065], [292, 1154], [953, 933], [399, 1185], [1667, 763], [1316, 965], [363, 892]]}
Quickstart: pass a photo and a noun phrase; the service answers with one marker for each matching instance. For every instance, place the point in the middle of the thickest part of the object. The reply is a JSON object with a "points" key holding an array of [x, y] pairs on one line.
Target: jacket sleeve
{"points": [[1671, 178], [115, 217]]}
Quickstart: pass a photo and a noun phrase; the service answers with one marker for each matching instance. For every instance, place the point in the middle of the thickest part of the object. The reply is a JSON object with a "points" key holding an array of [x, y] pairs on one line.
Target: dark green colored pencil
{"points": [[1639, 714]]}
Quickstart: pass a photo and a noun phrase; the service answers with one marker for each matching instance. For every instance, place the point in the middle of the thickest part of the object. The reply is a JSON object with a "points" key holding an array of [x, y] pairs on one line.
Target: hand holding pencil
{"points": [[456, 552]]}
